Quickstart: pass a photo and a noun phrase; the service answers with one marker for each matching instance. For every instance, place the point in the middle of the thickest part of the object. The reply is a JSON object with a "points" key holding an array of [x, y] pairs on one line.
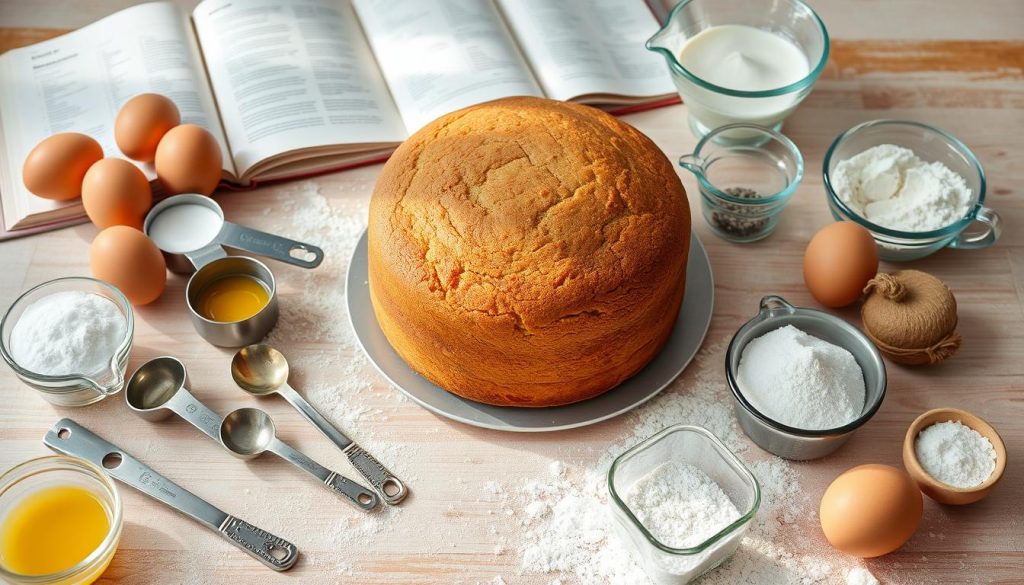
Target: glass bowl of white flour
{"points": [[916, 188], [69, 338], [683, 501]]}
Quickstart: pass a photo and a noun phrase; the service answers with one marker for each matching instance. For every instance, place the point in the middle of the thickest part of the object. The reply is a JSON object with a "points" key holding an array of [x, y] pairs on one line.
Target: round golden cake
{"points": [[528, 252]]}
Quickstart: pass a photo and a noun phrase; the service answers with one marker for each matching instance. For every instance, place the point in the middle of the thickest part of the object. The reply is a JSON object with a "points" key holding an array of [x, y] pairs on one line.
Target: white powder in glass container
{"points": [[801, 381], [69, 332], [892, 187], [955, 454], [680, 505]]}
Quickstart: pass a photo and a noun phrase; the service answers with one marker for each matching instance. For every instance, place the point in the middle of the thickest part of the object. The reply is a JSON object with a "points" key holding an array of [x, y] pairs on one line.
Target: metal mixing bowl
{"points": [[783, 440]]}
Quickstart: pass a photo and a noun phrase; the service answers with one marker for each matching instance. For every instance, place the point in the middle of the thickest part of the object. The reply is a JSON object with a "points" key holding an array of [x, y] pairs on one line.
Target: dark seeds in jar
{"points": [[733, 218]]}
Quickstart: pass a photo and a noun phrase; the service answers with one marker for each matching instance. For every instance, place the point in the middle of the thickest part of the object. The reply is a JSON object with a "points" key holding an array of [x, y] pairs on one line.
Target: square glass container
{"points": [[698, 447]]}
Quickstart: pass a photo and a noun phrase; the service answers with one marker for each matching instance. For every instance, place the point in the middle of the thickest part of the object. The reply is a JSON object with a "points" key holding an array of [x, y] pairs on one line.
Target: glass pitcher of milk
{"points": [[742, 61]]}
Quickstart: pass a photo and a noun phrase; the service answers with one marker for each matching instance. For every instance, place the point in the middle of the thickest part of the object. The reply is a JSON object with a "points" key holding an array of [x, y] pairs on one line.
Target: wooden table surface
{"points": [[954, 64]]}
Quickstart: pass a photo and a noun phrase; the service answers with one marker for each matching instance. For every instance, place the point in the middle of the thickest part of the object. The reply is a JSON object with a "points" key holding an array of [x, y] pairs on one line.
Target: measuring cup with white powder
{"points": [[803, 379], [69, 339], [191, 232]]}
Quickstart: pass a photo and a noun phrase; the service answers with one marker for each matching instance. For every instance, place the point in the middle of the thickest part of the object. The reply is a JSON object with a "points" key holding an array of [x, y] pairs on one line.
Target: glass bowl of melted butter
{"points": [[60, 522]]}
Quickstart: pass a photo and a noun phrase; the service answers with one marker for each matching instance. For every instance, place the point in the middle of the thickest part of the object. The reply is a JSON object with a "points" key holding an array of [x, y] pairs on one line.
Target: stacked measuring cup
{"points": [[232, 299]]}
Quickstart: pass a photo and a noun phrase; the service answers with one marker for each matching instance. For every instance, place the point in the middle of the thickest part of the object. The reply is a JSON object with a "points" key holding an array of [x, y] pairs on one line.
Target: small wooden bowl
{"points": [[935, 489]]}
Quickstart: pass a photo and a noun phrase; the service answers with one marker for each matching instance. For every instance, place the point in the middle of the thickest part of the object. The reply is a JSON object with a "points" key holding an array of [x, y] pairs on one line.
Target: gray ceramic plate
{"points": [[687, 336]]}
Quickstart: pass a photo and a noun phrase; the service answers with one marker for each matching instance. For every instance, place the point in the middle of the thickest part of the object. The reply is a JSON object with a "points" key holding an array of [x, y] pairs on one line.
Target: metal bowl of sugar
{"points": [[784, 440], [976, 227], [69, 338]]}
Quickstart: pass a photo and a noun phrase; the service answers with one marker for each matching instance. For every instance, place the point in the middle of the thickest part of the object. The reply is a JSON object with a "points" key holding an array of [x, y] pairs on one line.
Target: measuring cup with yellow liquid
{"points": [[232, 299]]}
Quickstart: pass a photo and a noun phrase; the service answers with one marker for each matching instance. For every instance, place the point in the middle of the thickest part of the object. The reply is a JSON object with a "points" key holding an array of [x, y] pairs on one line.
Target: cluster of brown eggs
{"points": [[116, 194]]}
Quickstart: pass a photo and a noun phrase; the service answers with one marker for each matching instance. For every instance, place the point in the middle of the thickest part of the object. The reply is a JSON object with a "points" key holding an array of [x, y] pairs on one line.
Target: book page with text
{"points": [[77, 83], [291, 75], [442, 55], [581, 47]]}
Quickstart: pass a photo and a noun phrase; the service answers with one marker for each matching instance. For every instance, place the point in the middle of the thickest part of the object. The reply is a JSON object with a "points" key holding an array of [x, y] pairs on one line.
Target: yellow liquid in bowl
{"points": [[52, 530], [232, 298]]}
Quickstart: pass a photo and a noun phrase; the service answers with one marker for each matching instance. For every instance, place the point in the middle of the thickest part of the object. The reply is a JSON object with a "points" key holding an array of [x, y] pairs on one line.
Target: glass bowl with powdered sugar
{"points": [[916, 188], [69, 339], [683, 501]]}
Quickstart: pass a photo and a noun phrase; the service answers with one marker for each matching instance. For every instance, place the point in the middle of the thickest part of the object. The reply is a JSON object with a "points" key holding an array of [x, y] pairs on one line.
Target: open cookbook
{"points": [[296, 87]]}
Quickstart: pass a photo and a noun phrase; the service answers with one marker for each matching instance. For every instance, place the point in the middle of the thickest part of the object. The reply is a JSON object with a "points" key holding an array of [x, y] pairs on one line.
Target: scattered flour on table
{"points": [[860, 576], [955, 454], [337, 379], [570, 533]]}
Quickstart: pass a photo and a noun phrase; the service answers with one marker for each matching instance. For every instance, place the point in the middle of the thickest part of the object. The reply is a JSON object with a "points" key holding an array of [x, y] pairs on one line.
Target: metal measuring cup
{"points": [[249, 432], [159, 388], [209, 262], [229, 234]]}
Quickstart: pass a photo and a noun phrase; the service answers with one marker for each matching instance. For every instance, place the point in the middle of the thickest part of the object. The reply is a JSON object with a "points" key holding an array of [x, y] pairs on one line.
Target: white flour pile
{"points": [[955, 454], [69, 332], [800, 380], [892, 187], [680, 505], [570, 532]]}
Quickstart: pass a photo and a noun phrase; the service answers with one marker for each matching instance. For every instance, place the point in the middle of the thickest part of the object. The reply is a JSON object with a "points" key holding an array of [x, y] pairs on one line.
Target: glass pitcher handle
{"points": [[972, 240]]}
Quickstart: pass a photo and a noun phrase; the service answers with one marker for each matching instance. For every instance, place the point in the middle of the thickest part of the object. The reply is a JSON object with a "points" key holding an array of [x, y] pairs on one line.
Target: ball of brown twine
{"points": [[911, 316]]}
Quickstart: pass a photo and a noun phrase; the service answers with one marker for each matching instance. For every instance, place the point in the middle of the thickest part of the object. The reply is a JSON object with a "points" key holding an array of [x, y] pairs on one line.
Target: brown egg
{"points": [[142, 122], [188, 160], [871, 510], [838, 263], [54, 169], [116, 192], [127, 259]]}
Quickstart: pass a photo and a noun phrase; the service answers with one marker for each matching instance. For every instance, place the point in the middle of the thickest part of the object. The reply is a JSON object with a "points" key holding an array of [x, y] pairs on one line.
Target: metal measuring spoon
{"points": [[261, 370], [70, 438], [249, 432], [158, 388]]}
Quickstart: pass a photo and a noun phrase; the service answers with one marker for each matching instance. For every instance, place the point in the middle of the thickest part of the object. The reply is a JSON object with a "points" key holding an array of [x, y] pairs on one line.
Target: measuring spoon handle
{"points": [[379, 477], [71, 438], [271, 246], [188, 407], [361, 497]]}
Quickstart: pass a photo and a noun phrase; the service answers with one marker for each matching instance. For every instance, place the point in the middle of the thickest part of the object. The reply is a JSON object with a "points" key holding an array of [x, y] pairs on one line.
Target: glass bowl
{"points": [[931, 144], [698, 447], [77, 389], [710, 105], [783, 440], [744, 188], [59, 470]]}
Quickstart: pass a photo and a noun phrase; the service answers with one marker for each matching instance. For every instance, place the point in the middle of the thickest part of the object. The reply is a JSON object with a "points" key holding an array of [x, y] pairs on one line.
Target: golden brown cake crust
{"points": [[528, 252]]}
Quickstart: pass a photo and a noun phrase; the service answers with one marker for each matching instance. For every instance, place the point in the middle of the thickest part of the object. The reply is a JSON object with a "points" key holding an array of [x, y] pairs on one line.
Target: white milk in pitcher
{"points": [[743, 58]]}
